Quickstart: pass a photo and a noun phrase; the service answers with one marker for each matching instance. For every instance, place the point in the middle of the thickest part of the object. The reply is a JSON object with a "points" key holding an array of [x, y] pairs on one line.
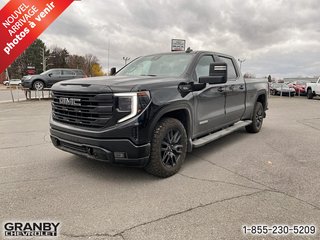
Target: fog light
{"points": [[55, 141], [120, 155]]}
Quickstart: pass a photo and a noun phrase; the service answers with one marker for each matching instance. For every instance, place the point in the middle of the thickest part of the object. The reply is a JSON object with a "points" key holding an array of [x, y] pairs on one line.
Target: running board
{"points": [[214, 136]]}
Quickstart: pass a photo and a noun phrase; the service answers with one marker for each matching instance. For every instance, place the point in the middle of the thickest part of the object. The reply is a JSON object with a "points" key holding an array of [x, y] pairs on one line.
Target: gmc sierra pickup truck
{"points": [[313, 89], [156, 109]]}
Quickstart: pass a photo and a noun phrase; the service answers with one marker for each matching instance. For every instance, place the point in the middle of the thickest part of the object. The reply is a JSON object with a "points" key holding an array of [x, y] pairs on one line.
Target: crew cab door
{"points": [[235, 92], [209, 102]]}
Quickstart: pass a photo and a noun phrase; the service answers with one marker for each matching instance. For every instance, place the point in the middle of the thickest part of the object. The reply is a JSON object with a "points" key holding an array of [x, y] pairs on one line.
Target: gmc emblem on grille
{"points": [[70, 101]]}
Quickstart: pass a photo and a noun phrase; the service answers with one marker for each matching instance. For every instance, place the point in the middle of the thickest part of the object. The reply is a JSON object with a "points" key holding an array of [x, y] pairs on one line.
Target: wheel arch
{"points": [[310, 89], [262, 98], [179, 112]]}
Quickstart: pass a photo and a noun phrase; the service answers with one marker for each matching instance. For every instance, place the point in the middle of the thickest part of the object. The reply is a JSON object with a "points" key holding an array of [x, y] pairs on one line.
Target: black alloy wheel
{"points": [[257, 119], [168, 148], [171, 148]]}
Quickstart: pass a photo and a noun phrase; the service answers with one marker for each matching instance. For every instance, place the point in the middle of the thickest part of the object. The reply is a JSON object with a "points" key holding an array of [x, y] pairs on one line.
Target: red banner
{"points": [[21, 22]]}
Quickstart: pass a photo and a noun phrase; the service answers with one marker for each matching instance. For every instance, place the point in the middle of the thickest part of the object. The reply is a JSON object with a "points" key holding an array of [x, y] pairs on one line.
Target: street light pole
{"points": [[126, 59], [241, 61]]}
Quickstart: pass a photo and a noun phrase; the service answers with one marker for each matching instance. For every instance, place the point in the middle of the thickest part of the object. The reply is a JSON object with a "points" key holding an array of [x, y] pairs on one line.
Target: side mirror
{"points": [[217, 74], [50, 74], [113, 71], [185, 88]]}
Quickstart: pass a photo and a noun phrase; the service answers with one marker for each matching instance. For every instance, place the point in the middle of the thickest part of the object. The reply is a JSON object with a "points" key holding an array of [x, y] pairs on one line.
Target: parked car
{"points": [[156, 109], [313, 89], [282, 89], [13, 82], [299, 86], [50, 77]]}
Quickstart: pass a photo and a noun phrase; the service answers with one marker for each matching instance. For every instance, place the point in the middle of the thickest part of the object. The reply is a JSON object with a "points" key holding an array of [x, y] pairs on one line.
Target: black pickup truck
{"points": [[156, 109]]}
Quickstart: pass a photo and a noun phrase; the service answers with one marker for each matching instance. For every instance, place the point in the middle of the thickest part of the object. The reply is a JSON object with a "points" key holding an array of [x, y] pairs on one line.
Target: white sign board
{"points": [[178, 45]]}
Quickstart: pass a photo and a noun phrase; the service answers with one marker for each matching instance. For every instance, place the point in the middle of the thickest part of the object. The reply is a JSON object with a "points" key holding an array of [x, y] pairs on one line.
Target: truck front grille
{"points": [[89, 110]]}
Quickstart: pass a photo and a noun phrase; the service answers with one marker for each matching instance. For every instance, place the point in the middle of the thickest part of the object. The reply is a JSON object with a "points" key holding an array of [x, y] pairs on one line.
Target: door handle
{"points": [[241, 87], [220, 89]]}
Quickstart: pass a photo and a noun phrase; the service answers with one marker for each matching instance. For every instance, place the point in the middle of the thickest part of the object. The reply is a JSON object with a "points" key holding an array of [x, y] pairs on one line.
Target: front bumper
{"points": [[114, 151], [26, 84]]}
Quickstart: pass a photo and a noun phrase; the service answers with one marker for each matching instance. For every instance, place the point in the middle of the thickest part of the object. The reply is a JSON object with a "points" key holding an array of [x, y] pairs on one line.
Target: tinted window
{"points": [[68, 72], [203, 66], [79, 72], [231, 70], [55, 72]]}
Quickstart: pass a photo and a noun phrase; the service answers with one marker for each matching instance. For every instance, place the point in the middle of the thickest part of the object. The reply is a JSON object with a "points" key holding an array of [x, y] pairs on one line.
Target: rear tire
{"points": [[168, 148], [257, 119], [309, 93]]}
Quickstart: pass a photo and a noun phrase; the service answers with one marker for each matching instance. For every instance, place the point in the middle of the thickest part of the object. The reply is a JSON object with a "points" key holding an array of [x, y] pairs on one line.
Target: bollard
{"points": [[17, 89], [38, 95]]}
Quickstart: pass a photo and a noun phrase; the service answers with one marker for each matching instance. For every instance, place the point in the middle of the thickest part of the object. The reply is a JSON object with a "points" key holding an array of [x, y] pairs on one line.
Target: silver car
{"points": [[12, 82]]}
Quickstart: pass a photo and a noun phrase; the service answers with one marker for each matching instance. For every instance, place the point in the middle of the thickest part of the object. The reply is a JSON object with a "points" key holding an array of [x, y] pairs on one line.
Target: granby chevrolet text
{"points": [[156, 109]]}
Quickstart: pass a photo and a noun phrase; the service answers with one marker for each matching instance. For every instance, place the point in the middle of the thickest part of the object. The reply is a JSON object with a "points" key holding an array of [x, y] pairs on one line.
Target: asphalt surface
{"points": [[5, 94], [270, 178]]}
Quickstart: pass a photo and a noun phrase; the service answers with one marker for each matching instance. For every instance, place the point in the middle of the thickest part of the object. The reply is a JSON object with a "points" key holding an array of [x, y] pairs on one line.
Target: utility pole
{"points": [[241, 61], [126, 59], [108, 56], [44, 60]]}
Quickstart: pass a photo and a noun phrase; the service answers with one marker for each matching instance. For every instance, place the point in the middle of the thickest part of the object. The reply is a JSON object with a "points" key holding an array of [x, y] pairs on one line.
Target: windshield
{"points": [[158, 65], [44, 73], [303, 82]]}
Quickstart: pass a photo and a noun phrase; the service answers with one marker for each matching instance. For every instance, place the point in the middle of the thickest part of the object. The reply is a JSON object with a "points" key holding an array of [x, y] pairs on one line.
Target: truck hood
{"points": [[118, 83]]}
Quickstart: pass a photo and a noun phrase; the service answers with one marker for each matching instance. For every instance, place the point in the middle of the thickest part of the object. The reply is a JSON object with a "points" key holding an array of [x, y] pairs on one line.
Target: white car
{"points": [[313, 89], [13, 82]]}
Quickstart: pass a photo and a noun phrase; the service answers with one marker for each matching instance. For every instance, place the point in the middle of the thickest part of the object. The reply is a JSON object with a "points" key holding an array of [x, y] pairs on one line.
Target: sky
{"points": [[276, 37]]}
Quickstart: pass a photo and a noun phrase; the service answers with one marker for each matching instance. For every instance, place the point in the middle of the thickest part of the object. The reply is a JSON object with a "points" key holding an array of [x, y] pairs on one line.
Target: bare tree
{"points": [[249, 75]]}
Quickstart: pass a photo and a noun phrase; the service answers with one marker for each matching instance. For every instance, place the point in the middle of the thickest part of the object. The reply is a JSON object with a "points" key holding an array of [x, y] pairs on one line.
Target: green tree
{"points": [[32, 57], [58, 58]]}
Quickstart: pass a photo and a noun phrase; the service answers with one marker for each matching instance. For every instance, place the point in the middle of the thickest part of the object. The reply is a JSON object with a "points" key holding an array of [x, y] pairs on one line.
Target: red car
{"points": [[299, 86]]}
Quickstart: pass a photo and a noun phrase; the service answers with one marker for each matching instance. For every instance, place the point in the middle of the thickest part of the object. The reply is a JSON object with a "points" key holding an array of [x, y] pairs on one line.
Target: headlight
{"points": [[131, 103], [27, 78]]}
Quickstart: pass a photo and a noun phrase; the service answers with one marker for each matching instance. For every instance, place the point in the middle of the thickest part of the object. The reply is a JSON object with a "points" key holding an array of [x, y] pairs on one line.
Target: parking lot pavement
{"points": [[243, 179], [5, 94]]}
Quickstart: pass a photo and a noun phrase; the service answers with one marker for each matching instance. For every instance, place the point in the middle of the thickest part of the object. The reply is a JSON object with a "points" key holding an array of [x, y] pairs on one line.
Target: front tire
{"points": [[309, 93], [257, 119], [168, 148], [38, 85]]}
